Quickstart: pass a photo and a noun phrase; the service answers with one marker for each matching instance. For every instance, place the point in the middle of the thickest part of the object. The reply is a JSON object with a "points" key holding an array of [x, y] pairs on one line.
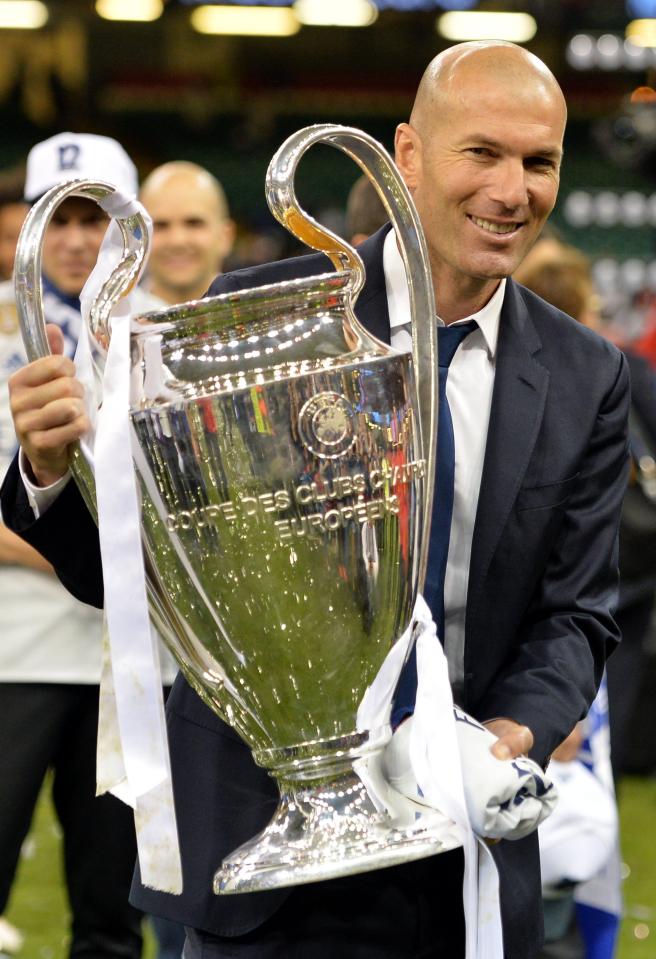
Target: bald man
{"points": [[538, 407], [192, 231]]}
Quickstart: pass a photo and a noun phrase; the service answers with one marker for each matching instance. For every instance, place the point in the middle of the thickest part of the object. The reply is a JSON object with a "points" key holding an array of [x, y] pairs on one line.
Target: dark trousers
{"points": [[54, 726], [412, 911], [624, 671]]}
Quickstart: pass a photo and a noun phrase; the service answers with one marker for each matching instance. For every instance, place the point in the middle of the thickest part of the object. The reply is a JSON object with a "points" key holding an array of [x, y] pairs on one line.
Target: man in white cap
{"points": [[50, 655], [78, 226]]}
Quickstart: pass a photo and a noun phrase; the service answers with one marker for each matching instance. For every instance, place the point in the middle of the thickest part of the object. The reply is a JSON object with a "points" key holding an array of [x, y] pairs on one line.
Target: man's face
{"points": [[72, 242], [11, 221], [190, 239], [487, 177]]}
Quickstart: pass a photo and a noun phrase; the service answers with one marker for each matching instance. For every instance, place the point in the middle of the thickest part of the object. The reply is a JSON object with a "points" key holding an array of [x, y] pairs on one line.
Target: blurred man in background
{"points": [[192, 231], [50, 655], [13, 210], [365, 212]]}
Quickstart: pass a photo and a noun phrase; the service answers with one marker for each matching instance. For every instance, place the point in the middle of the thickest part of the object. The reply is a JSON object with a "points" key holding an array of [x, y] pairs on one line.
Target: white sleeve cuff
{"points": [[40, 497]]}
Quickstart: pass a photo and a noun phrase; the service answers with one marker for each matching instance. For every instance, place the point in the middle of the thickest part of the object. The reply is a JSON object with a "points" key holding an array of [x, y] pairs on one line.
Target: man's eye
{"points": [[479, 151], [540, 163]]}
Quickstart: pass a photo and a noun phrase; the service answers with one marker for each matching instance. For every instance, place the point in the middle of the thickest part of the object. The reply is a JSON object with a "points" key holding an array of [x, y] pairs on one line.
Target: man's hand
{"points": [[14, 551], [568, 750], [513, 740], [48, 410]]}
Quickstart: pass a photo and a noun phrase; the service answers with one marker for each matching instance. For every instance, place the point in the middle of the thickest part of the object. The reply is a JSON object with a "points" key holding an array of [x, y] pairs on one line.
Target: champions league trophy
{"points": [[285, 463]]}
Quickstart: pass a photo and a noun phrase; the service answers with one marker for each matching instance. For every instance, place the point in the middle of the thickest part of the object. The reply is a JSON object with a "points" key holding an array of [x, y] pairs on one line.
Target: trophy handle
{"points": [[27, 269], [29, 292], [379, 167]]}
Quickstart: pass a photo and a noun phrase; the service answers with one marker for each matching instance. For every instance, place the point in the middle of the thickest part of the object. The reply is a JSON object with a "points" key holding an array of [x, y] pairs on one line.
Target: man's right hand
{"points": [[48, 410]]}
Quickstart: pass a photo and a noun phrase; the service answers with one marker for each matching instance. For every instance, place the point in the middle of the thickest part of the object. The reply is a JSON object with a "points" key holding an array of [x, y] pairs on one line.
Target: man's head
{"points": [[562, 276], [192, 232], [481, 157], [365, 212], [73, 238]]}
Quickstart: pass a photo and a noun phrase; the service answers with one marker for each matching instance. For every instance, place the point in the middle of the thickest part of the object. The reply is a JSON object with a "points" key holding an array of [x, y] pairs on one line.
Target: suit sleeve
{"points": [[568, 629], [66, 535], [224, 283]]}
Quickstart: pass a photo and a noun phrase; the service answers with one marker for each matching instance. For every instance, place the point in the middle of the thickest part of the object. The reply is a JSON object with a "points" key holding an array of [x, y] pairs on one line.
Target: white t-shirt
{"points": [[46, 635]]}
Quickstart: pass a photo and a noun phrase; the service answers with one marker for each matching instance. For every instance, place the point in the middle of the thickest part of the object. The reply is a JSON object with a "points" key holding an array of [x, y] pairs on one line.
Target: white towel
{"points": [[506, 799]]}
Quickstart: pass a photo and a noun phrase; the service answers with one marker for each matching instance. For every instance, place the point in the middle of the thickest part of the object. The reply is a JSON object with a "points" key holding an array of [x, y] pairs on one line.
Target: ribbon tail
{"points": [[436, 763], [138, 708]]}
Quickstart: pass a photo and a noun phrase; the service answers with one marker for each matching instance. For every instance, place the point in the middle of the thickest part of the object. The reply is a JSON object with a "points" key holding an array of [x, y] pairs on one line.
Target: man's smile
{"points": [[500, 229]]}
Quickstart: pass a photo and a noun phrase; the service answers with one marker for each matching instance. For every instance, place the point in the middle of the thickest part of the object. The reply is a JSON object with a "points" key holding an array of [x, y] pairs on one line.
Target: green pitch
{"points": [[39, 907]]}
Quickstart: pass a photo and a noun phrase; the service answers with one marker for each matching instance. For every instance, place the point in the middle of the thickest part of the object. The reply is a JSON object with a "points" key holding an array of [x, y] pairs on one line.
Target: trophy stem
{"points": [[341, 818]]}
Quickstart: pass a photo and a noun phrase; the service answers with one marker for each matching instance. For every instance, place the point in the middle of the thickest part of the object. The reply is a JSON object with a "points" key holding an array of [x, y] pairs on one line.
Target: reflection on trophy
{"points": [[285, 464]]}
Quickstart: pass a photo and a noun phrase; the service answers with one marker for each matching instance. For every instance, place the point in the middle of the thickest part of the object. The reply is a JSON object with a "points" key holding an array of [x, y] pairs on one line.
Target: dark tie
{"points": [[449, 339]]}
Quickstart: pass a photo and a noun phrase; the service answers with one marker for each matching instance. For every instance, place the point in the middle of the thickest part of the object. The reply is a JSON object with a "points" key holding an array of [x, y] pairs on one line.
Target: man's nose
{"points": [[75, 236], [509, 187], [176, 235]]}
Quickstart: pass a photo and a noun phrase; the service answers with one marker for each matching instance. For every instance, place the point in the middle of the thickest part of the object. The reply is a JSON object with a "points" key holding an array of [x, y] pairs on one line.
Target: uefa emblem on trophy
{"points": [[284, 459]]}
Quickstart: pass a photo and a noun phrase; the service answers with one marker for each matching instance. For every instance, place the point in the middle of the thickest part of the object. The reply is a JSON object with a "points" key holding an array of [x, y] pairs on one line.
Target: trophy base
{"points": [[334, 829]]}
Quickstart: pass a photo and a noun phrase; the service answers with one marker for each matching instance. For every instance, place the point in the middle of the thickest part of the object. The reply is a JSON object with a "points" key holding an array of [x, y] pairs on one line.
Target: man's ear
{"points": [[227, 239], [407, 154]]}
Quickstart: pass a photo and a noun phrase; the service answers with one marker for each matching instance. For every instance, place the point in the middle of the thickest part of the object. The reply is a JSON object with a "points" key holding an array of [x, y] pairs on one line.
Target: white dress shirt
{"points": [[469, 392]]}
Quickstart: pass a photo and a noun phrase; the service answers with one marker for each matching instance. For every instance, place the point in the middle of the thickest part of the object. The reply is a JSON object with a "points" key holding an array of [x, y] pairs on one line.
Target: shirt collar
{"points": [[488, 319], [398, 298]]}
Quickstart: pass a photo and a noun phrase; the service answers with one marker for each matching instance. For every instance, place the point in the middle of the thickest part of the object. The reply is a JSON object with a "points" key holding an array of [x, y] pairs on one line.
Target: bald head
{"points": [[457, 74], [192, 230], [180, 174]]}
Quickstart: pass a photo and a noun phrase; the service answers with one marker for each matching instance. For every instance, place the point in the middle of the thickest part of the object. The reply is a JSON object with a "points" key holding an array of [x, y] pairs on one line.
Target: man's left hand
{"points": [[513, 740]]}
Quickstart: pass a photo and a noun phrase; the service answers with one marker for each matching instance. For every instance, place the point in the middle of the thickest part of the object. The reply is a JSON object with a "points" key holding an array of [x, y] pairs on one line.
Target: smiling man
{"points": [[192, 231], [522, 570]]}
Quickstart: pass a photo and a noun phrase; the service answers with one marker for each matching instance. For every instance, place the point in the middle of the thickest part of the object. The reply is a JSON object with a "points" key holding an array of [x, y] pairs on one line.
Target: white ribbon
{"points": [[133, 759], [435, 760]]}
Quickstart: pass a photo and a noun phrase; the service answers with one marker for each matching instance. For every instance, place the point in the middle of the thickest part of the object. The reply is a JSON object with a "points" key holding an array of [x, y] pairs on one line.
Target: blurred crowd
{"points": [[49, 670]]}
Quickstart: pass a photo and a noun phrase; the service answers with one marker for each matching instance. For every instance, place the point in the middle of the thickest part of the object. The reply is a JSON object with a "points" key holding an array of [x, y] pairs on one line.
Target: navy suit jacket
{"points": [[542, 583]]}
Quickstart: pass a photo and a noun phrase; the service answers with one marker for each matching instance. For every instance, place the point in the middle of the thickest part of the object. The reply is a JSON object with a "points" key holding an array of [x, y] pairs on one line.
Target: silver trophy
{"points": [[285, 460]]}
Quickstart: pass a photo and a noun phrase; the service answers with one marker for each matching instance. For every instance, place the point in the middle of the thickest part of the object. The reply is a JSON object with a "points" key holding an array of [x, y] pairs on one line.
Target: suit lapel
{"points": [[518, 399]]}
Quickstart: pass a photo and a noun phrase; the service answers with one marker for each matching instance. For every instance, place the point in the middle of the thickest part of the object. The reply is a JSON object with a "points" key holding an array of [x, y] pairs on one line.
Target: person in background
{"points": [[365, 213], [50, 654], [192, 235], [13, 210], [562, 276], [192, 231]]}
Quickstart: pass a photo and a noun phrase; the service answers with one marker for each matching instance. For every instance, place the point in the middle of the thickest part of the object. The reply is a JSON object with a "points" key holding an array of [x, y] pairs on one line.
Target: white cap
{"points": [[73, 156]]}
